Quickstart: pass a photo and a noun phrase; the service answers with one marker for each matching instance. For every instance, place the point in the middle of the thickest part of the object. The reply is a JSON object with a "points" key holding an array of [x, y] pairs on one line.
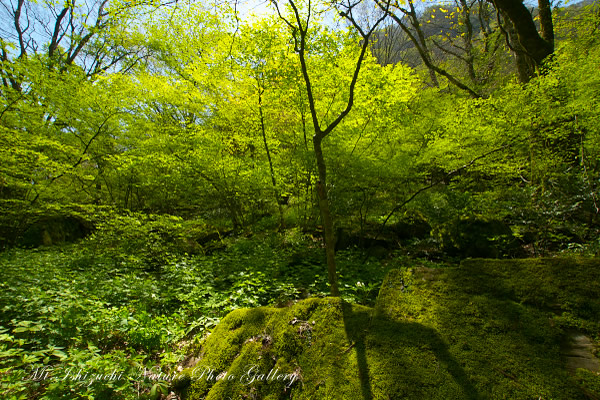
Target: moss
{"points": [[498, 319], [484, 330], [559, 284], [590, 381]]}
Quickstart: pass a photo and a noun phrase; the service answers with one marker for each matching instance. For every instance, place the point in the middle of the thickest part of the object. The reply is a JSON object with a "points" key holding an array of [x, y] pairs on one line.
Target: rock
{"points": [[578, 351], [55, 230], [469, 332]]}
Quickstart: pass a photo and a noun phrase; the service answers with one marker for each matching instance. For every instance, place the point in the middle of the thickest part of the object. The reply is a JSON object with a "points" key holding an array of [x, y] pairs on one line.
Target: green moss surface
{"points": [[488, 329]]}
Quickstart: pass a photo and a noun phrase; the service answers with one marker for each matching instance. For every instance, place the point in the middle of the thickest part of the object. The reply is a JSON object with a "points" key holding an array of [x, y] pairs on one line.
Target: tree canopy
{"points": [[189, 110], [205, 159]]}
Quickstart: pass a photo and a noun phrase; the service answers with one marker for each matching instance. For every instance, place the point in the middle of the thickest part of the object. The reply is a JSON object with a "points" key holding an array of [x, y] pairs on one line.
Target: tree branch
{"points": [[433, 184], [57, 27], [18, 28], [427, 60]]}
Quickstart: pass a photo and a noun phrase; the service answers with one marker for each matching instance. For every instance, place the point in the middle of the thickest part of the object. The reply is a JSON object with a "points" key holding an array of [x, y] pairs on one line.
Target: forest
{"points": [[237, 182]]}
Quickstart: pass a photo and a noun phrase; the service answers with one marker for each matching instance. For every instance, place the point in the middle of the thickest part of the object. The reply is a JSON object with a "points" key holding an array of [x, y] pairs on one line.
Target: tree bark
{"points": [[536, 46], [524, 63], [328, 233], [546, 25]]}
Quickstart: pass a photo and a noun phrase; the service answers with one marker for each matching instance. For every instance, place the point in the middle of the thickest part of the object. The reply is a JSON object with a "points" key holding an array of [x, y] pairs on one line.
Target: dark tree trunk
{"points": [[524, 63], [535, 46], [546, 25]]}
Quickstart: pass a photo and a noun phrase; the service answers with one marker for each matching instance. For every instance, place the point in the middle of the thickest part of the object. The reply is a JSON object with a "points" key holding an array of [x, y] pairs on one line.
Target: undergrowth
{"points": [[96, 320]]}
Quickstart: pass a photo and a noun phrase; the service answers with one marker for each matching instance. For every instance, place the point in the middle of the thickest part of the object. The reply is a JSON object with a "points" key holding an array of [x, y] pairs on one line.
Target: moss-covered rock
{"points": [[503, 321], [269, 352], [485, 330], [567, 286]]}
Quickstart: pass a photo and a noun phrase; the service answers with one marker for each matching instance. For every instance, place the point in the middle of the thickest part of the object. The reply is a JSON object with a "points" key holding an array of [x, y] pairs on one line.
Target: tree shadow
{"points": [[398, 359], [498, 317]]}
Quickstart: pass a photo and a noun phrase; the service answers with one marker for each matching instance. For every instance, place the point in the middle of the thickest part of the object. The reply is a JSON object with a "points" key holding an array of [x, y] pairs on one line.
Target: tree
{"points": [[300, 26], [467, 33], [59, 113], [456, 41], [89, 34]]}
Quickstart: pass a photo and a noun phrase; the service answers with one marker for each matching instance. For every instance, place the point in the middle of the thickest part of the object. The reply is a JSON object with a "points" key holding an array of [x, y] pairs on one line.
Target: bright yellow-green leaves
{"points": [[55, 130], [188, 126]]}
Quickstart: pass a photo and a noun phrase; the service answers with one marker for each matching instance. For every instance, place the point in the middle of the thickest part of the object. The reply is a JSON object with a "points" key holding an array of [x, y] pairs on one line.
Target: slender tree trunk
{"points": [[273, 181], [417, 26], [469, 58]]}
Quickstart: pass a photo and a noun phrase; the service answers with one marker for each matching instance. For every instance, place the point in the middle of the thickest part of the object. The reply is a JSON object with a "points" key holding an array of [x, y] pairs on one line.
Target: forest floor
{"points": [[80, 321]]}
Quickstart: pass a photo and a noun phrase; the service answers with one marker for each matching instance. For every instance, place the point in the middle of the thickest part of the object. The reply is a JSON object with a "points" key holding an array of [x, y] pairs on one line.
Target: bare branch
{"points": [[57, 28], [366, 42], [18, 28], [427, 59], [447, 50]]}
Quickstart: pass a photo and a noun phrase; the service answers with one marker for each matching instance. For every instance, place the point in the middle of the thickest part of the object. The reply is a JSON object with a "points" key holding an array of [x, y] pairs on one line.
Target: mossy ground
{"points": [[485, 330]]}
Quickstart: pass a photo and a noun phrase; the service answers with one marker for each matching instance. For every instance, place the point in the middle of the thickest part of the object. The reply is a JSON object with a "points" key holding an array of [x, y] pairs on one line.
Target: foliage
{"points": [[158, 302], [213, 124], [157, 171]]}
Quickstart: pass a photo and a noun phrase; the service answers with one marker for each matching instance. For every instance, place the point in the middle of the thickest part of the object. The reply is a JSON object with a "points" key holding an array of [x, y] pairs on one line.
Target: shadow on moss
{"points": [[397, 356]]}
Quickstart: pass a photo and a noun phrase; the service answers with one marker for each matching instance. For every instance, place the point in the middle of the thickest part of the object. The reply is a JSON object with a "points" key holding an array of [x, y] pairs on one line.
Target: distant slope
{"points": [[435, 22]]}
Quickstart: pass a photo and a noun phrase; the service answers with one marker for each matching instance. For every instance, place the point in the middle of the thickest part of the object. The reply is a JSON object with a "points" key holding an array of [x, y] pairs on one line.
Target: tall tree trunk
{"points": [[546, 25], [535, 46], [524, 63]]}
